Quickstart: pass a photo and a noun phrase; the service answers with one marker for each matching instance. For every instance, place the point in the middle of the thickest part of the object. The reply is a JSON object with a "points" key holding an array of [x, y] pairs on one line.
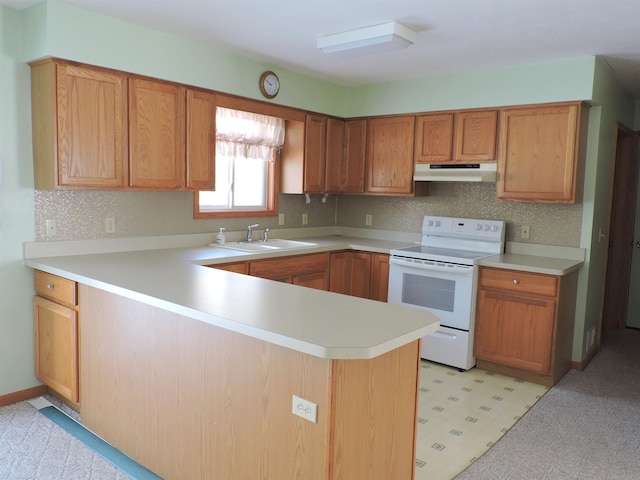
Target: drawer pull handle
{"points": [[516, 281], [50, 286]]}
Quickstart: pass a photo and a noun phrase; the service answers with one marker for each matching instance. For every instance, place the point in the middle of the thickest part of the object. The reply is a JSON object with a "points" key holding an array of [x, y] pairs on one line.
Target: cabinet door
{"points": [[390, 155], [515, 330], [434, 138], [350, 273], [201, 140], [92, 127], [475, 136], [314, 153], [237, 267], [538, 153], [352, 169], [379, 277], [334, 156], [56, 347], [317, 280], [156, 134]]}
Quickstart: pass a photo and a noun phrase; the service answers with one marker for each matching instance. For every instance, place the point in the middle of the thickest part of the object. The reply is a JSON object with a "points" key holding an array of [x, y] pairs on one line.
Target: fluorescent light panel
{"points": [[376, 39]]}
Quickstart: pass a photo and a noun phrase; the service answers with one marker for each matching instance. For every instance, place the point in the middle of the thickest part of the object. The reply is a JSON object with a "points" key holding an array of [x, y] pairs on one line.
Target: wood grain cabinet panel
{"points": [[456, 137], [540, 152], [307, 270], [156, 134], [314, 153], [379, 277], [201, 140], [345, 163], [389, 167], [79, 119], [524, 324], [350, 273], [56, 334]]}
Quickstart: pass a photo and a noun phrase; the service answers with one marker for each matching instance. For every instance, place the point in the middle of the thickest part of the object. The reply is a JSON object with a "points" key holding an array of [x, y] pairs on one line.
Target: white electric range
{"points": [[441, 275]]}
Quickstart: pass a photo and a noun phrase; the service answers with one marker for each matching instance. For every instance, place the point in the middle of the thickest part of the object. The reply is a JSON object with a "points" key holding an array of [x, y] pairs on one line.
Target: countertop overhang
{"points": [[319, 323]]}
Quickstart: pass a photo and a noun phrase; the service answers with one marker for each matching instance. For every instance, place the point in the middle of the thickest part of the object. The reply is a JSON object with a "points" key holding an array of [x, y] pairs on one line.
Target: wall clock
{"points": [[269, 84]]}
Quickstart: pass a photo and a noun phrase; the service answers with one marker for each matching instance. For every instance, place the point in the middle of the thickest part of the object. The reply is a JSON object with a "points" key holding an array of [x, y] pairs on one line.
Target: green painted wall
{"points": [[16, 210], [549, 82]]}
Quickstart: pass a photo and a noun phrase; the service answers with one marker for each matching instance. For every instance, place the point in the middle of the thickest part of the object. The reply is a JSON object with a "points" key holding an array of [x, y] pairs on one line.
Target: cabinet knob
{"points": [[516, 281], [50, 286]]}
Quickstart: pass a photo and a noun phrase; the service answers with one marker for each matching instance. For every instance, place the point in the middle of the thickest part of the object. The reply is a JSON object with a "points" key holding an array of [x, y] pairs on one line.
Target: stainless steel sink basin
{"points": [[268, 246]]}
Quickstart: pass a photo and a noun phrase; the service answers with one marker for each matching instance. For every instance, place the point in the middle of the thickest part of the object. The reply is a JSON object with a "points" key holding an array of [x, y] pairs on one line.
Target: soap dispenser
{"points": [[220, 238]]}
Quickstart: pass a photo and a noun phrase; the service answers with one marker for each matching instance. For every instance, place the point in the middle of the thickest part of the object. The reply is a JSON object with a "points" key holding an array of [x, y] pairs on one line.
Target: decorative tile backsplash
{"points": [[81, 214]]}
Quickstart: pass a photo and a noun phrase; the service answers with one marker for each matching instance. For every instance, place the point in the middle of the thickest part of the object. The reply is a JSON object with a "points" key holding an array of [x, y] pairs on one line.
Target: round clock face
{"points": [[269, 84]]}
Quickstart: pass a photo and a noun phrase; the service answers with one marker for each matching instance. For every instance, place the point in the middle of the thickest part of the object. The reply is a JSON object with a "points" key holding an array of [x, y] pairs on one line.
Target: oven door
{"points": [[445, 289]]}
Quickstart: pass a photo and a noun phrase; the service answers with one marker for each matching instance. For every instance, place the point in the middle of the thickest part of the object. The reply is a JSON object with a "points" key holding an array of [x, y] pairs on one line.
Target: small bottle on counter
{"points": [[220, 239]]}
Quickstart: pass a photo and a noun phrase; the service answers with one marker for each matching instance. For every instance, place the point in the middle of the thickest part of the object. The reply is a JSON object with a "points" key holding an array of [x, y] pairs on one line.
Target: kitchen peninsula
{"points": [[192, 370]]}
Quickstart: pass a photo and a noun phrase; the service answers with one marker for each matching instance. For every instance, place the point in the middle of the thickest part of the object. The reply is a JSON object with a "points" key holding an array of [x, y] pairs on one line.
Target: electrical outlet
{"points": [[305, 218], [110, 225], [51, 228], [525, 231], [305, 409], [368, 219], [281, 219]]}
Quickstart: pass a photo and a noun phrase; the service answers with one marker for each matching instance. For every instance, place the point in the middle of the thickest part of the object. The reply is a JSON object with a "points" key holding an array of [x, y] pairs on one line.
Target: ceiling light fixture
{"points": [[365, 41]]}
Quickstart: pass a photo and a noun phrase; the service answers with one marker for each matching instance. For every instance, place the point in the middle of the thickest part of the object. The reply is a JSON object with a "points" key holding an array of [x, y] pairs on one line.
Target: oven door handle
{"points": [[432, 266]]}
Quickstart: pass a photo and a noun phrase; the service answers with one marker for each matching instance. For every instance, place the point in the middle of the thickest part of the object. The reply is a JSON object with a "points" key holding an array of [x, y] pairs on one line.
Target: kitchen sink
{"points": [[268, 246]]}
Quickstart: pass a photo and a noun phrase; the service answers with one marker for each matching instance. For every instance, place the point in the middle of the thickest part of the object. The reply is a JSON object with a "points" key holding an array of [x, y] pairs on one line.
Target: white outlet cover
{"points": [[305, 409]]}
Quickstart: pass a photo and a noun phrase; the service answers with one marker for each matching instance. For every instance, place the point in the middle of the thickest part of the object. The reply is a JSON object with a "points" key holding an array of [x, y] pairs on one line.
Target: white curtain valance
{"points": [[246, 134]]}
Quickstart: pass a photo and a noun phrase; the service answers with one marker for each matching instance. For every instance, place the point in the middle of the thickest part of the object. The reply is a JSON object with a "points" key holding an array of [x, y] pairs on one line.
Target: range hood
{"points": [[455, 172]]}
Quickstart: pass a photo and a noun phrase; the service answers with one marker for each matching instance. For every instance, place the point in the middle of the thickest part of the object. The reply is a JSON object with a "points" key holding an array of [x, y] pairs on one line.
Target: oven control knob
{"points": [[437, 223], [486, 228], [494, 228], [430, 223], [478, 226]]}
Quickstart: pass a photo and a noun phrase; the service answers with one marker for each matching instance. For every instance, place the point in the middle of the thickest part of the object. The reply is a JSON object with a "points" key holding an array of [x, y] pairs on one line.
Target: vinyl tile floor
{"points": [[462, 414]]}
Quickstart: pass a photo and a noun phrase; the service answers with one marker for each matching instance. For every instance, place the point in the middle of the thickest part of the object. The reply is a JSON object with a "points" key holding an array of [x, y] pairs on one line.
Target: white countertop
{"points": [[319, 323], [532, 263]]}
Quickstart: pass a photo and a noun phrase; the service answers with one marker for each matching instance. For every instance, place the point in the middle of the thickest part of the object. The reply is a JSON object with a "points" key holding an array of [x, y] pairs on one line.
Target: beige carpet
{"points": [[587, 427], [34, 448]]}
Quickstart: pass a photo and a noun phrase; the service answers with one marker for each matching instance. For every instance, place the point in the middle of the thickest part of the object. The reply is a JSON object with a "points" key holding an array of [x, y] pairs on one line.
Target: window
{"points": [[247, 145]]}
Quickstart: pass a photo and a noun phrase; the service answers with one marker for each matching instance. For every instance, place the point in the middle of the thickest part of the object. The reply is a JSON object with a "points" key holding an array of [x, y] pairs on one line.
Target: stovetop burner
{"points": [[456, 240]]}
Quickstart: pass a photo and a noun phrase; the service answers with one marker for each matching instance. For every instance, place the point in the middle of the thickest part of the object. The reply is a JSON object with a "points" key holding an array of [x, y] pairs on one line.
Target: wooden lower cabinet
{"points": [[237, 267], [524, 324], [306, 270], [56, 334], [350, 273], [187, 399], [379, 277]]}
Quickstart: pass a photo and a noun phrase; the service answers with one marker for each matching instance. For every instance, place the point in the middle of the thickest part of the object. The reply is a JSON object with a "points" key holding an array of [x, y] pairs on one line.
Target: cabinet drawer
{"points": [[56, 288], [516, 281], [286, 267]]}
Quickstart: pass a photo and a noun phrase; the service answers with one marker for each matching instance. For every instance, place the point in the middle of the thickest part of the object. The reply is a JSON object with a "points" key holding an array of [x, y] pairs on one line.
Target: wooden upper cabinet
{"points": [[79, 117], [345, 155], [201, 140], [540, 147], [156, 134], [474, 138], [434, 134], [456, 137], [389, 166], [303, 155], [314, 153]]}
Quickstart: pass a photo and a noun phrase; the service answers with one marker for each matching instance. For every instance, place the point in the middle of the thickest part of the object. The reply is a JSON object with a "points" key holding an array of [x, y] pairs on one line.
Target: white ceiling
{"points": [[454, 36]]}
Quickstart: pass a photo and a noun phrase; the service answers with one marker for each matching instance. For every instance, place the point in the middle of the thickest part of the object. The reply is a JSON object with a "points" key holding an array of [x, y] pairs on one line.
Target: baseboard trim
{"points": [[585, 361], [16, 397]]}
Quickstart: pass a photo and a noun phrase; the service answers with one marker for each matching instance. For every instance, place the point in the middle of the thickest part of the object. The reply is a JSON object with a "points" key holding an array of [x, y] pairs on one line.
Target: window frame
{"points": [[264, 108]]}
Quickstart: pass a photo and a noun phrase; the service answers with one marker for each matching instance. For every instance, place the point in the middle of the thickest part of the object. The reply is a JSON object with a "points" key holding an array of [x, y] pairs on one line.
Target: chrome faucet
{"points": [[265, 235], [250, 232]]}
